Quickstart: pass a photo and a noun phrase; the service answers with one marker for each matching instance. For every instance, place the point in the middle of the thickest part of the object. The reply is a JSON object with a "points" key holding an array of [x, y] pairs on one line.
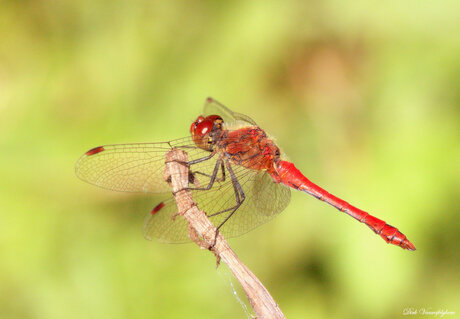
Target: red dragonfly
{"points": [[237, 174]]}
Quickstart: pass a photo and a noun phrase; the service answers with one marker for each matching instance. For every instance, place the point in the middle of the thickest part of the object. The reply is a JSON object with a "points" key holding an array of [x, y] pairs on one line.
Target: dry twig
{"points": [[203, 233]]}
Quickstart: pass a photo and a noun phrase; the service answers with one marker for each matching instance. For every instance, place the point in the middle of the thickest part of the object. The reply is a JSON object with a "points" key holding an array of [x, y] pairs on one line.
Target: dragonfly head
{"points": [[202, 131]]}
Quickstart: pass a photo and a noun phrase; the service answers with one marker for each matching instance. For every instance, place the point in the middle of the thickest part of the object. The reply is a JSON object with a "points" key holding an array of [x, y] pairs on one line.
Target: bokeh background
{"points": [[362, 96]]}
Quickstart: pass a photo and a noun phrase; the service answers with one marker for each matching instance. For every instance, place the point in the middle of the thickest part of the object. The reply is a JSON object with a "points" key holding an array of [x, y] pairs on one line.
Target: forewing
{"points": [[213, 107], [135, 167], [264, 200]]}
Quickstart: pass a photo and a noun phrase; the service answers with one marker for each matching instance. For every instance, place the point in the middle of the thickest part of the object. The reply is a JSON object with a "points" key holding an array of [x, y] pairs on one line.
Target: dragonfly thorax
{"points": [[205, 130], [250, 147]]}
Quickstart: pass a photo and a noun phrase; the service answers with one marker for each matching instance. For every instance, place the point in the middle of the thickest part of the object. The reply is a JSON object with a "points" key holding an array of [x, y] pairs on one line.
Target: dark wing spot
{"points": [[157, 208], [95, 150]]}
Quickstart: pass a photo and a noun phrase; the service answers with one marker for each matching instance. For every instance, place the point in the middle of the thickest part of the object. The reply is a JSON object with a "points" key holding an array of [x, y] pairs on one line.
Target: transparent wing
{"points": [[264, 200], [213, 107], [133, 167]]}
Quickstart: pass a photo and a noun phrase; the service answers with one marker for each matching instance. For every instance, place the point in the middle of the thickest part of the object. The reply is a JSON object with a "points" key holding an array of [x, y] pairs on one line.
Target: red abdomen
{"points": [[289, 175]]}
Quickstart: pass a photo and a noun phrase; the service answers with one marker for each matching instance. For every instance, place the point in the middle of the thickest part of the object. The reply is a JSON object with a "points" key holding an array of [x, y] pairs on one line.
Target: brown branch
{"points": [[203, 233]]}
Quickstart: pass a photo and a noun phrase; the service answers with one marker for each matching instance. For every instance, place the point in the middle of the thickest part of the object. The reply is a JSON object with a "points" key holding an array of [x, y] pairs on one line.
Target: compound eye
{"points": [[195, 124], [203, 128]]}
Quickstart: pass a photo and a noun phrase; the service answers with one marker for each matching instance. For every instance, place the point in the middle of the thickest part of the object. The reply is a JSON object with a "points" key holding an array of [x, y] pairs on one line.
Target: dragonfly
{"points": [[238, 176]]}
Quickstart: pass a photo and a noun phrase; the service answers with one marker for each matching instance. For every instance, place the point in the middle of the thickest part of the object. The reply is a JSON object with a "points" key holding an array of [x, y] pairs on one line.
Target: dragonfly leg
{"points": [[211, 181], [220, 179], [198, 160], [239, 196]]}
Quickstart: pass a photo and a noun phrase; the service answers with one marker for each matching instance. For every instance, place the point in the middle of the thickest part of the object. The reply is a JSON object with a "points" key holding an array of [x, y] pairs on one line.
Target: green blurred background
{"points": [[362, 96]]}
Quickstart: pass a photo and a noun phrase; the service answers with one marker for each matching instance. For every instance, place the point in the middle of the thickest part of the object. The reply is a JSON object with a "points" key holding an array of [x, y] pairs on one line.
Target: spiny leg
{"points": [[220, 179], [191, 174], [239, 196], [211, 182], [212, 178], [198, 160]]}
